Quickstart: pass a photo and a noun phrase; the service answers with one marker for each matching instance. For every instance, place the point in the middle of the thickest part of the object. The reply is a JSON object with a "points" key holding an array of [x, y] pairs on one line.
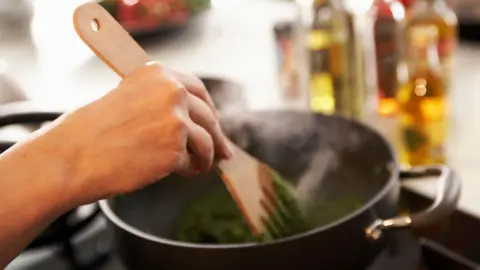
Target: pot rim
{"points": [[390, 184]]}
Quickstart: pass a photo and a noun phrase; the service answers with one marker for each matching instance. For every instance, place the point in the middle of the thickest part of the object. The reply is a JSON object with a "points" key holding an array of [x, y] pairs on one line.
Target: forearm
{"points": [[34, 192]]}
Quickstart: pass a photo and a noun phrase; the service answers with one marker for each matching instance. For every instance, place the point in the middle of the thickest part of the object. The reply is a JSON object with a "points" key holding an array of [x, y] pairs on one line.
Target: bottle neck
{"points": [[425, 57]]}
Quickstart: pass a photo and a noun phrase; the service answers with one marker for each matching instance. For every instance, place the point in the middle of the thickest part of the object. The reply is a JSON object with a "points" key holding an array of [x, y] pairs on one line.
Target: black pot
{"points": [[364, 166]]}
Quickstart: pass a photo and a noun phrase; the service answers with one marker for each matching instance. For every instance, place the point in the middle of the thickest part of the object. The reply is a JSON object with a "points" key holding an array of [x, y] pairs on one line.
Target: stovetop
{"points": [[92, 249], [452, 244]]}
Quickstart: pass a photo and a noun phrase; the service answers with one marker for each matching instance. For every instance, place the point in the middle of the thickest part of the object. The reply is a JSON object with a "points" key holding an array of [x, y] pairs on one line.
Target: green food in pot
{"points": [[215, 218], [288, 212]]}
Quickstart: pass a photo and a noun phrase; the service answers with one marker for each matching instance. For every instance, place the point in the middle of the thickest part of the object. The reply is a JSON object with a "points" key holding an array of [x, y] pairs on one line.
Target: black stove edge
{"points": [[457, 233], [436, 256]]}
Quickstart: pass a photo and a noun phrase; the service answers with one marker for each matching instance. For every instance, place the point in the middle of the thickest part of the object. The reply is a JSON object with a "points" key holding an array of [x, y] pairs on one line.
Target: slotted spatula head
{"points": [[246, 178]]}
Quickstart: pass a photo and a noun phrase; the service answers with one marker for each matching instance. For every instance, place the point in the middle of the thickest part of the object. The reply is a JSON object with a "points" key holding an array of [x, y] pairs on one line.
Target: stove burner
{"points": [[95, 262], [66, 226]]}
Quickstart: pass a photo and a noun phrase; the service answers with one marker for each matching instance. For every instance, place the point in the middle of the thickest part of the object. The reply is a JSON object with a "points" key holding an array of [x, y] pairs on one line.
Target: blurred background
{"points": [[405, 67], [408, 68]]}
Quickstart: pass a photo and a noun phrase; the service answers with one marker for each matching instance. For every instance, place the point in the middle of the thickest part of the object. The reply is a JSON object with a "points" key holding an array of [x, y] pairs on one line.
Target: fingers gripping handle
{"points": [[108, 39]]}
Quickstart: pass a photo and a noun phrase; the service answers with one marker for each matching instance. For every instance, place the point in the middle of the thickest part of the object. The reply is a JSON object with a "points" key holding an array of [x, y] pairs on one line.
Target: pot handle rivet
{"points": [[374, 231]]}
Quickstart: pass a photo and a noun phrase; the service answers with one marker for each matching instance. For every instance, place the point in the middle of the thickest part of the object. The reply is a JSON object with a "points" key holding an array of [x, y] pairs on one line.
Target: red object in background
{"points": [[383, 9], [407, 3], [389, 17], [387, 29], [146, 15]]}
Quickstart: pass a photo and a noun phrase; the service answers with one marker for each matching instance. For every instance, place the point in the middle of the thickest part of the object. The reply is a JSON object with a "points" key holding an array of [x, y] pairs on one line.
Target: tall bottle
{"points": [[328, 57], [423, 107], [391, 69], [438, 13], [362, 88]]}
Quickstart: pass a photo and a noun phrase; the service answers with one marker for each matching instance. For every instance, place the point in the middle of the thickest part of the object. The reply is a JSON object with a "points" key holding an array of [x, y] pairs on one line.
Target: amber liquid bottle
{"points": [[391, 71], [328, 56], [438, 13], [422, 102]]}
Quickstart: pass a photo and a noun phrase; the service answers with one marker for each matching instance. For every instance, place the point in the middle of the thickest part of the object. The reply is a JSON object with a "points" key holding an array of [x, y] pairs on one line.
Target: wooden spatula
{"points": [[248, 180]]}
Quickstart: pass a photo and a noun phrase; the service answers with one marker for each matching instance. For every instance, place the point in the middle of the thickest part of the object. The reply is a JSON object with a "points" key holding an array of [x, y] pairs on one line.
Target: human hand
{"points": [[156, 122]]}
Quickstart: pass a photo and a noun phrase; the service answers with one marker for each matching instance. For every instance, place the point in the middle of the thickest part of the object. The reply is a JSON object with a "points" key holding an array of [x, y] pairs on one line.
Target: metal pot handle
{"points": [[449, 189]]}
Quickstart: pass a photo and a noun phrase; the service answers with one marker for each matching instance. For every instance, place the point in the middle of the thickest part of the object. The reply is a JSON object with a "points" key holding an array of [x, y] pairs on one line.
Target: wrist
{"points": [[36, 190], [43, 172]]}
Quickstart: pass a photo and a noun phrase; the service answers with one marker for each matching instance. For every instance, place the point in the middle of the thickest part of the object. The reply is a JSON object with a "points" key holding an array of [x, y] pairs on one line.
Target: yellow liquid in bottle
{"points": [[423, 119], [322, 95], [326, 44]]}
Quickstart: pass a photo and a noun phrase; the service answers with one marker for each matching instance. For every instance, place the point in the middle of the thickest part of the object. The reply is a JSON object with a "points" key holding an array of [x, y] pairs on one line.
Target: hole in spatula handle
{"points": [[95, 25], [108, 39]]}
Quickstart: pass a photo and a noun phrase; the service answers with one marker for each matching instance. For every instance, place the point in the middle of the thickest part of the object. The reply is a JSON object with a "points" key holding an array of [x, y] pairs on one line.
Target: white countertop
{"points": [[234, 41]]}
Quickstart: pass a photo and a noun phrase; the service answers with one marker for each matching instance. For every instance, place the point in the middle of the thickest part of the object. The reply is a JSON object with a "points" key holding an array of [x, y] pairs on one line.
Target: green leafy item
{"points": [[216, 219]]}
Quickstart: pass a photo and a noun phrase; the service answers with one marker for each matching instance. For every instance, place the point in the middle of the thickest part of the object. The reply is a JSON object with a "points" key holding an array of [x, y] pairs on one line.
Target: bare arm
{"points": [[34, 190]]}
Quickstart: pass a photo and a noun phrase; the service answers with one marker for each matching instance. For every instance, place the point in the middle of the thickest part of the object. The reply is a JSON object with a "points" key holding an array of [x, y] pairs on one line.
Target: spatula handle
{"points": [[108, 39]]}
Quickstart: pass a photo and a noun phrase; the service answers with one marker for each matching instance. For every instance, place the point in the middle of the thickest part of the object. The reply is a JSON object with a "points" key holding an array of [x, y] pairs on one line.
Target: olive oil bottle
{"points": [[439, 14], [423, 101], [389, 29], [328, 55]]}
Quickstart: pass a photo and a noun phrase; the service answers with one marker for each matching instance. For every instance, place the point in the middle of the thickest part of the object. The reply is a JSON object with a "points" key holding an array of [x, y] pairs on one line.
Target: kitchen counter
{"points": [[234, 41]]}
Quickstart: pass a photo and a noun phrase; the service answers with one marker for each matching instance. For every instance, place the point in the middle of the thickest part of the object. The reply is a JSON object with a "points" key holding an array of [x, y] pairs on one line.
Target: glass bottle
{"points": [[327, 57], [438, 13], [388, 30], [362, 87], [422, 102]]}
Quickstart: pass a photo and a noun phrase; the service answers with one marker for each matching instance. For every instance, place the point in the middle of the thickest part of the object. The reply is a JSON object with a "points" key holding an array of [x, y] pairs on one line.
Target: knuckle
{"points": [[173, 147], [168, 163], [178, 125], [176, 161], [175, 90], [181, 92]]}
